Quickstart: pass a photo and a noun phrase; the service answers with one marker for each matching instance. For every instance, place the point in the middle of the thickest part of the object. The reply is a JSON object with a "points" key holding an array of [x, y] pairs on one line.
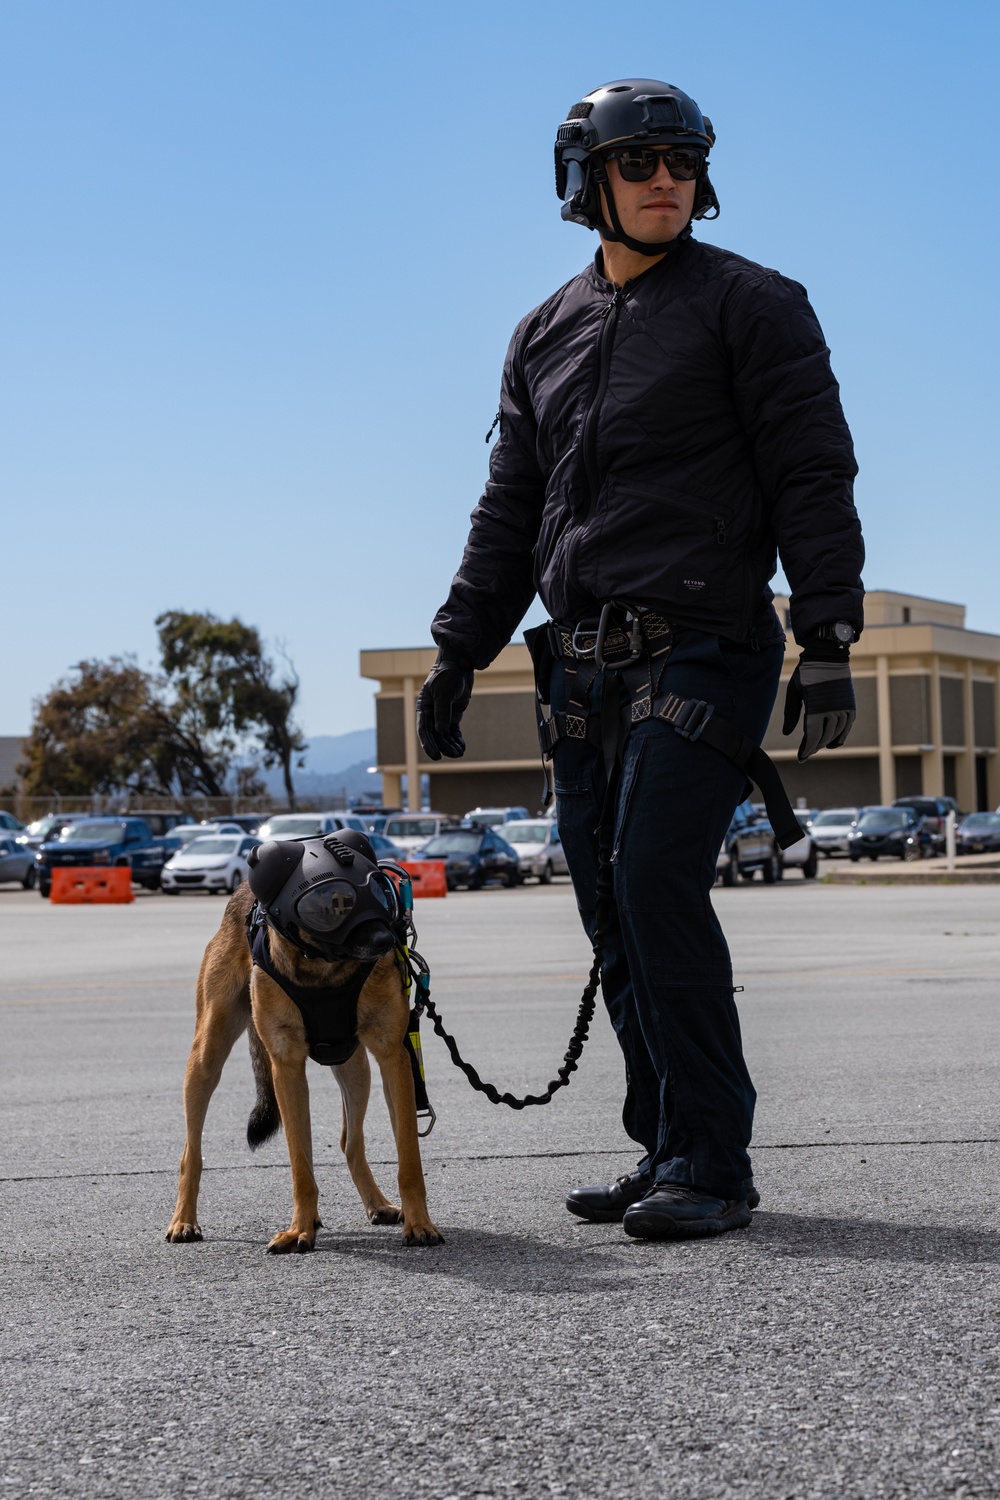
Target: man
{"points": [[668, 422]]}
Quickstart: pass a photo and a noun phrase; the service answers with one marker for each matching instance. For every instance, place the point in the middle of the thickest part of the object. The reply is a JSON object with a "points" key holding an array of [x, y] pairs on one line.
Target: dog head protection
{"points": [[319, 892]]}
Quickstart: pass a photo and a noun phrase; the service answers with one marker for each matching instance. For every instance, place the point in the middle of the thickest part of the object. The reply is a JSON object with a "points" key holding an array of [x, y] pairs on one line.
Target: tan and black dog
{"points": [[234, 996]]}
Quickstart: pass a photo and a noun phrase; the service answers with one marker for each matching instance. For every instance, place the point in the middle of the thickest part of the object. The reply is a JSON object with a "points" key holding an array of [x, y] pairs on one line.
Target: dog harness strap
{"points": [[329, 1012]]}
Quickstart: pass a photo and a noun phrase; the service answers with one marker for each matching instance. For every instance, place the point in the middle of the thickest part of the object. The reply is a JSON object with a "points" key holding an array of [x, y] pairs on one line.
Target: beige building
{"points": [[928, 694]]}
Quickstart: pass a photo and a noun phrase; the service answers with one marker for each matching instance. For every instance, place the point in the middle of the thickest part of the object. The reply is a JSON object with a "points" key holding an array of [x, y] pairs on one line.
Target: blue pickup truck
{"points": [[106, 841]]}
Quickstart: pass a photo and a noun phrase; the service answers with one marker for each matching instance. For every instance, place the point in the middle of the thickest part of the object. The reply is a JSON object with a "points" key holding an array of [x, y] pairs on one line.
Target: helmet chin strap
{"points": [[641, 247]]}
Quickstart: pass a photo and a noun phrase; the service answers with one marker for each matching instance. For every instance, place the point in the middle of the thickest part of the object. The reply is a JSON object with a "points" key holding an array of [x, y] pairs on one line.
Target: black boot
{"points": [[672, 1212], [607, 1204]]}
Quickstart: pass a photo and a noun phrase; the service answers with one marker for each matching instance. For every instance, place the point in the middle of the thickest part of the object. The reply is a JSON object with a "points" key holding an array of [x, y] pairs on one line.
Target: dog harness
{"points": [[329, 1011]]}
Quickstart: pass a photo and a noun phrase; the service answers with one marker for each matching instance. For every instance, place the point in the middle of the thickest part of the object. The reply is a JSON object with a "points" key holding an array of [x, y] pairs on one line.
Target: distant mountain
{"points": [[329, 753], [335, 765]]}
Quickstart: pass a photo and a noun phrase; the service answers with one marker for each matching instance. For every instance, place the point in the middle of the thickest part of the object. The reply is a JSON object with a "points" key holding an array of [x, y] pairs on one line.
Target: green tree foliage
{"points": [[223, 679], [111, 726]]}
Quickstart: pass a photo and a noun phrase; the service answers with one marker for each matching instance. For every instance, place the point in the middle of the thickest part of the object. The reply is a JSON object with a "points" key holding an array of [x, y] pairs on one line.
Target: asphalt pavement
{"points": [[844, 1346]]}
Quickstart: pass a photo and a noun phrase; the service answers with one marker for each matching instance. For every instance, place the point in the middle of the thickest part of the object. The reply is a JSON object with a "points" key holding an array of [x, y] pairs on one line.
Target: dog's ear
{"points": [[270, 866]]}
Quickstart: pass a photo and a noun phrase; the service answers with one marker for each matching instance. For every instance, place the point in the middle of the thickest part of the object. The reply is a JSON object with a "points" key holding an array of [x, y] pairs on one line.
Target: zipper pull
{"points": [[496, 423], [720, 531], [613, 303]]}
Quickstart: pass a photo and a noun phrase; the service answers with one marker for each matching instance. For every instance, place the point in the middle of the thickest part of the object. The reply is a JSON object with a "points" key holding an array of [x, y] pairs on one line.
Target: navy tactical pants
{"points": [[667, 977]]}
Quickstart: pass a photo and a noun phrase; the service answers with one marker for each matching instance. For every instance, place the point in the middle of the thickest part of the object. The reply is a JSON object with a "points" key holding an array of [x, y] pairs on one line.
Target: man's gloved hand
{"points": [[821, 685], [441, 703]]}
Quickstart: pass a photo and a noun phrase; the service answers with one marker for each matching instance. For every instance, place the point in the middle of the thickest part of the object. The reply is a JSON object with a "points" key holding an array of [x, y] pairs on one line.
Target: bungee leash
{"points": [[417, 978]]}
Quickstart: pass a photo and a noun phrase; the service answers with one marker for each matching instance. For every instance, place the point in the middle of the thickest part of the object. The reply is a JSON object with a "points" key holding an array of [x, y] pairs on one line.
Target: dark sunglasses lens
{"points": [[637, 166], [640, 166], [683, 166]]}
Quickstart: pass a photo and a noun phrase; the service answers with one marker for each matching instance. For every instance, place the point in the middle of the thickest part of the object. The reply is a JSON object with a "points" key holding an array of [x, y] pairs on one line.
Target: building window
{"points": [[906, 614], [950, 776]]}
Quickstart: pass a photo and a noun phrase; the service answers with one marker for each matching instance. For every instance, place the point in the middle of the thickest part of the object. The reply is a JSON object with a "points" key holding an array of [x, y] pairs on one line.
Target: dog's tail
{"points": [[265, 1119]]}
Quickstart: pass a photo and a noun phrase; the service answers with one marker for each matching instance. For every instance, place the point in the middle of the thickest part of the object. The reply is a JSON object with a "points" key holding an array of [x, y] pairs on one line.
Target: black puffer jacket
{"points": [[660, 445]]}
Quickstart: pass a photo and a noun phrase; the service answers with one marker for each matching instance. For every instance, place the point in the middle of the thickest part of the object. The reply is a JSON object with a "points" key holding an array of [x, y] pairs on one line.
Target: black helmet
{"points": [[317, 892], [634, 110]]}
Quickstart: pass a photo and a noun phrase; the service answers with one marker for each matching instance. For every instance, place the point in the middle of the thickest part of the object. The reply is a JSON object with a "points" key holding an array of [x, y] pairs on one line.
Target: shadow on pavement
{"points": [[495, 1262], [873, 1239]]}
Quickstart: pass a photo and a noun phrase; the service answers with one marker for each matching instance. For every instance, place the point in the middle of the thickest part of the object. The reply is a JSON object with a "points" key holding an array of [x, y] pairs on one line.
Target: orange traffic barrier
{"points": [[89, 885], [428, 876]]}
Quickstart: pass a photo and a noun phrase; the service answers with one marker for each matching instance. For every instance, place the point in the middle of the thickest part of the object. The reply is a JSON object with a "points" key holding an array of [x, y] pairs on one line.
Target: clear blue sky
{"points": [[260, 264]]}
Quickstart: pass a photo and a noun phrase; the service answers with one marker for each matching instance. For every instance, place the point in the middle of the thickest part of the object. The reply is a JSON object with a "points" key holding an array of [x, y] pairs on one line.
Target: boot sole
{"points": [[659, 1227], [596, 1215]]}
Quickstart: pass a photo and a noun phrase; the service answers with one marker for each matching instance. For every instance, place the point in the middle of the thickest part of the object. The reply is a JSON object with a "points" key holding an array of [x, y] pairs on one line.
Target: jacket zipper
{"points": [[588, 436]]}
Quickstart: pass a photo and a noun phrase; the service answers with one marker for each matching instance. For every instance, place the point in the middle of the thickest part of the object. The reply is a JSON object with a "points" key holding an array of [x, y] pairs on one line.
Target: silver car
{"points": [[216, 862], [831, 829], [306, 825], [17, 861], [538, 847]]}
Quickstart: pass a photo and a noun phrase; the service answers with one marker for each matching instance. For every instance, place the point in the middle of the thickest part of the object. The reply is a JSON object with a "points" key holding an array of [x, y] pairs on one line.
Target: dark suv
{"points": [[932, 811], [886, 830], [472, 856], [749, 846]]}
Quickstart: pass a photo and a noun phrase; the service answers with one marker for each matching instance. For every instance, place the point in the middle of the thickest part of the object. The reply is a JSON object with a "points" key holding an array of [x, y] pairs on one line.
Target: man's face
{"points": [[656, 210]]}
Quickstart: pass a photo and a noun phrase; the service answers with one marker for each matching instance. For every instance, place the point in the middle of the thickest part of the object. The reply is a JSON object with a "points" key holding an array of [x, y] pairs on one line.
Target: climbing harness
{"points": [[630, 646]]}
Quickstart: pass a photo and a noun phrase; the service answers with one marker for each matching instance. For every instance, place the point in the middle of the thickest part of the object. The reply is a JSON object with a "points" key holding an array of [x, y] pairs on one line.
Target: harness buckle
{"points": [[688, 716]]}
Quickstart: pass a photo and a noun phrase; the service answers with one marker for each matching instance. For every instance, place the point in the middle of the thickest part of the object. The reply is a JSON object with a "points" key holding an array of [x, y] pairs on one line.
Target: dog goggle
{"points": [[328, 904], [639, 164]]}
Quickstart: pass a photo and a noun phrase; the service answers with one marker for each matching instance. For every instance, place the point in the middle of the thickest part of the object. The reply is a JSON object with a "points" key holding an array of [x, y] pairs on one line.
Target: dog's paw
{"points": [[387, 1214], [180, 1233], [423, 1234], [292, 1242]]}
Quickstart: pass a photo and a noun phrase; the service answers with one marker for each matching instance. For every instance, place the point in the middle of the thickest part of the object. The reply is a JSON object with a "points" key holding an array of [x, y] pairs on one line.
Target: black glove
{"points": [[821, 684], [441, 703]]}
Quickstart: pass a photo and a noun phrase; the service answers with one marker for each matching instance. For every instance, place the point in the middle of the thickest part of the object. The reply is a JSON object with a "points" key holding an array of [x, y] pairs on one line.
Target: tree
{"points": [[108, 728], [223, 680]]}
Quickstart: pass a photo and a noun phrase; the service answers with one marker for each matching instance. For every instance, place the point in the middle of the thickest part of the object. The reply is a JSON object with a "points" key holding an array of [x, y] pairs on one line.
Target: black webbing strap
{"points": [[694, 719], [329, 1012]]}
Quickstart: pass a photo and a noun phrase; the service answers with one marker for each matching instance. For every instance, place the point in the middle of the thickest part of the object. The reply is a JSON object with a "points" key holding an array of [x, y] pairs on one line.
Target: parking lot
{"points": [[844, 1346]]}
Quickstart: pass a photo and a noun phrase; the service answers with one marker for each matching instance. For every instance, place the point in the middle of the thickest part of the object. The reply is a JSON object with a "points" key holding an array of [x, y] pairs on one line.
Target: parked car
{"points": [[307, 825], [160, 822], [216, 862], [802, 856], [16, 861], [749, 846], [374, 817], [472, 856], [979, 833], [538, 847], [887, 830], [105, 841], [385, 848], [185, 832], [43, 830], [412, 830], [831, 829], [495, 817], [933, 811], [10, 824], [248, 822]]}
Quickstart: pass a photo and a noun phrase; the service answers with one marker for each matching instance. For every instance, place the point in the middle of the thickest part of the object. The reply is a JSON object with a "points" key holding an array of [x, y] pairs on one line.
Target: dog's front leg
{"points": [[292, 1091], [355, 1080], [280, 1027], [397, 1081]]}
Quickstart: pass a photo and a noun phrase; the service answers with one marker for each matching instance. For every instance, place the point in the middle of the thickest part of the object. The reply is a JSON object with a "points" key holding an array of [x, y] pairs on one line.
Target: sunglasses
{"points": [[640, 164]]}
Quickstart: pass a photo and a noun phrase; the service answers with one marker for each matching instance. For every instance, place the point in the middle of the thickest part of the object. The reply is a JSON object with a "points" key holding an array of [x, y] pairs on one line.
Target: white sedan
{"points": [[214, 862], [538, 847]]}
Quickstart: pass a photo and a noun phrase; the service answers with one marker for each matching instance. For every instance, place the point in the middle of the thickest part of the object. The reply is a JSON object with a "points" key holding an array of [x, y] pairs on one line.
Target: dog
{"points": [[235, 995]]}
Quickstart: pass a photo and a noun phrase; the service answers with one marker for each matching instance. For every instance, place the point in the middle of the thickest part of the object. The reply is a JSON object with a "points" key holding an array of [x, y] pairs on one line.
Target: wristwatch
{"points": [[841, 632]]}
